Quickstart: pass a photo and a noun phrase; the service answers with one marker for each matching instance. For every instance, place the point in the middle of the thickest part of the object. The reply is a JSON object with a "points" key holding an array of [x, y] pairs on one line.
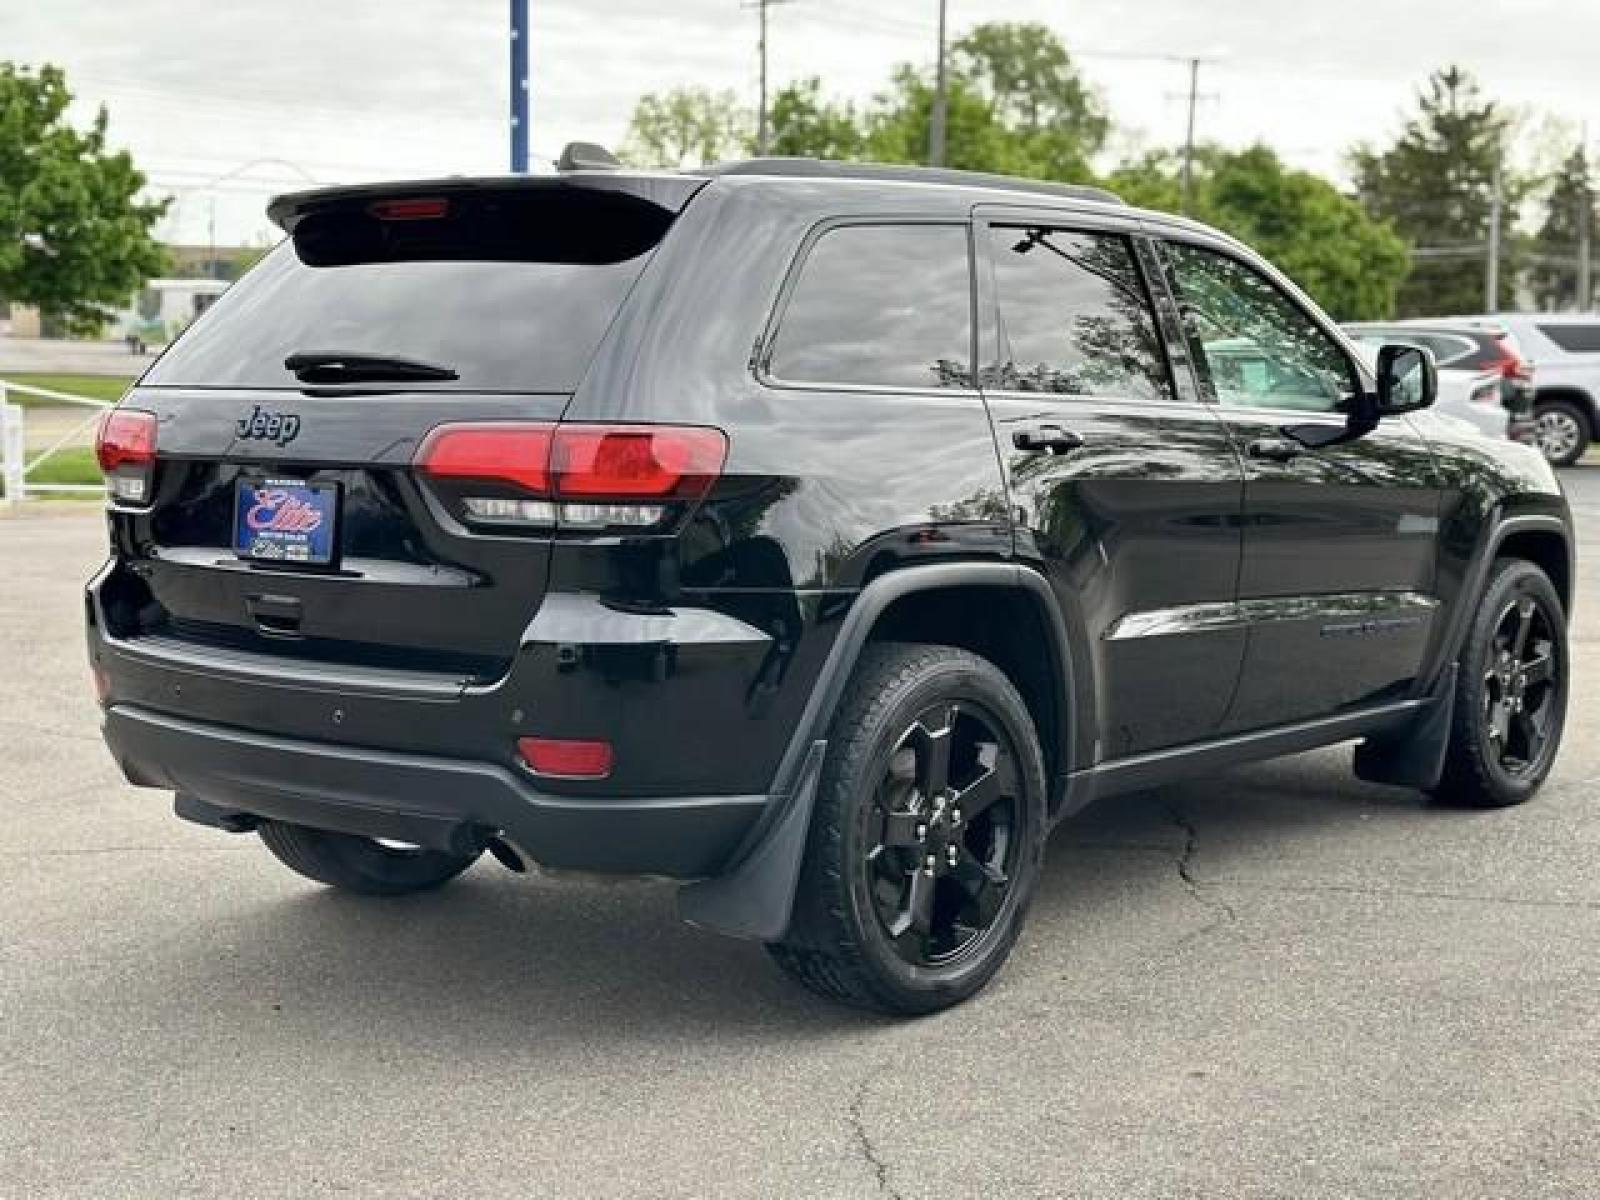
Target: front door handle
{"points": [[1045, 439], [1278, 450]]}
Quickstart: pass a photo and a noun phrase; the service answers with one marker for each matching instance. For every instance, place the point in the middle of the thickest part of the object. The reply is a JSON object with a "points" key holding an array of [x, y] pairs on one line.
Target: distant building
{"points": [[165, 307], [210, 262], [196, 276]]}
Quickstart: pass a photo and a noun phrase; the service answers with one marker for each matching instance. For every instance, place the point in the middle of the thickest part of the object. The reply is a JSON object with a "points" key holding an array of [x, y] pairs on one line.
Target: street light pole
{"points": [[519, 87], [936, 122]]}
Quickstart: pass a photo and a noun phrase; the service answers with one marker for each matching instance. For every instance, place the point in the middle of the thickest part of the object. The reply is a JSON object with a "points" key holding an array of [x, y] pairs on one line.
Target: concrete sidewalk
{"points": [[56, 356]]}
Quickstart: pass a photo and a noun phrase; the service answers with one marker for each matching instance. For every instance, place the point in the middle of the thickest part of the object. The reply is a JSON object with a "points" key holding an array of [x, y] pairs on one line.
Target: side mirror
{"points": [[1408, 380]]}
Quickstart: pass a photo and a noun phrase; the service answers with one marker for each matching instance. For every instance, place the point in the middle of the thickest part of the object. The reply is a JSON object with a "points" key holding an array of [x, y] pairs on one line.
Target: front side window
{"points": [[1257, 347], [880, 306], [1074, 317]]}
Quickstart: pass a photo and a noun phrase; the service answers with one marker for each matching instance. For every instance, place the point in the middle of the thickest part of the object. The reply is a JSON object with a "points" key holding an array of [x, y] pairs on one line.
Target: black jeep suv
{"points": [[815, 535]]}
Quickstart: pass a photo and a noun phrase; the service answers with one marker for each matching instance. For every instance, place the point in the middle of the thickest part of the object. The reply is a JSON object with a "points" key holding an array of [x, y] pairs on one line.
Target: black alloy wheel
{"points": [[945, 838], [1520, 687], [1511, 692], [927, 834]]}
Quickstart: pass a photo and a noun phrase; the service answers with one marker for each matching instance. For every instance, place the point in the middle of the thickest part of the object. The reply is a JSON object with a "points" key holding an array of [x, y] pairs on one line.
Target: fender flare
{"points": [[753, 897], [1477, 576]]}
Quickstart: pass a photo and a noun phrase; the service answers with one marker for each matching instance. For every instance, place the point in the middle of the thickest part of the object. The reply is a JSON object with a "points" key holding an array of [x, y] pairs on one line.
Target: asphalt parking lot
{"points": [[1275, 982]]}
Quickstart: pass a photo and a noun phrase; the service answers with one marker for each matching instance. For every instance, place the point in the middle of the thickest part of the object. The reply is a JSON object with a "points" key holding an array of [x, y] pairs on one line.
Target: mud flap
{"points": [[755, 898], [1413, 756]]}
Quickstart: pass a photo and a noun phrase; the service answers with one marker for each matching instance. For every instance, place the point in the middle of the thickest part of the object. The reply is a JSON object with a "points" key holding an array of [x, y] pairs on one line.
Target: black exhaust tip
{"points": [[507, 857]]}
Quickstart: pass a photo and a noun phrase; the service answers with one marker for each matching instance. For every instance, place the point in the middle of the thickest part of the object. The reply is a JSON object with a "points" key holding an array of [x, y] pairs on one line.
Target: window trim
{"points": [[761, 355], [1161, 234], [988, 217]]}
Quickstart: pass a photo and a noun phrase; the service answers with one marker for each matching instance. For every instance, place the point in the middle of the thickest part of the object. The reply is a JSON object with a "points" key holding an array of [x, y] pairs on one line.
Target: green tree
{"points": [[686, 127], [975, 139], [1035, 93], [75, 239], [1322, 239], [1015, 103], [1435, 184], [805, 124], [1570, 216]]}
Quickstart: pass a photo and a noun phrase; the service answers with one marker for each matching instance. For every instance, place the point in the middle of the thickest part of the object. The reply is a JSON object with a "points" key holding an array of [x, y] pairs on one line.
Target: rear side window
{"points": [[1574, 339], [1075, 318], [880, 305], [513, 291]]}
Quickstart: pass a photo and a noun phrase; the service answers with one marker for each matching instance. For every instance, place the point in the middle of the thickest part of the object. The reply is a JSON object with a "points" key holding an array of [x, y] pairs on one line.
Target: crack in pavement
{"points": [[1200, 890], [858, 1126]]}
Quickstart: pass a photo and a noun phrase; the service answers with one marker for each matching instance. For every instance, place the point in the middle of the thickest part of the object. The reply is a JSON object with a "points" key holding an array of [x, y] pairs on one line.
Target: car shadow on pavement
{"points": [[494, 958]]}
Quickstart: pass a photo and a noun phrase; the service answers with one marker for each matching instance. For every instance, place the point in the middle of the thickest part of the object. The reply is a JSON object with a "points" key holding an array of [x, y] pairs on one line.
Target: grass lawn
{"points": [[72, 464], [96, 387]]}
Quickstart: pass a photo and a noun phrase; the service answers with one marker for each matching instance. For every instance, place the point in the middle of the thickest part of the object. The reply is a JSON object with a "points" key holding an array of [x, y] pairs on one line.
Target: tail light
{"points": [[1509, 363], [125, 447], [588, 477]]}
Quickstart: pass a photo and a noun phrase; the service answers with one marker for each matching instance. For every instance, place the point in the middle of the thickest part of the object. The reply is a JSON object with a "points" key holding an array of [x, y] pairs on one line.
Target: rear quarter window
{"points": [[1574, 338], [879, 306]]}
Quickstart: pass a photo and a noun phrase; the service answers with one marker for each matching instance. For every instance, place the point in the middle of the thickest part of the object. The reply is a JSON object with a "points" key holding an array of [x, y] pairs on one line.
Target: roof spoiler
{"points": [[669, 192]]}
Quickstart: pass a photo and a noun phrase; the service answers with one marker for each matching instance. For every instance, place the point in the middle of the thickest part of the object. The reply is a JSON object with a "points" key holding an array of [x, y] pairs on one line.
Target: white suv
{"points": [[1565, 349]]}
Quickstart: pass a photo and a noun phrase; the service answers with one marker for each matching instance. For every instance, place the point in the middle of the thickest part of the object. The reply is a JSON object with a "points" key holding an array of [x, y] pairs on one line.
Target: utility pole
{"points": [[519, 87], [1585, 264], [1491, 280], [1188, 137], [763, 133], [1585, 295], [941, 102]]}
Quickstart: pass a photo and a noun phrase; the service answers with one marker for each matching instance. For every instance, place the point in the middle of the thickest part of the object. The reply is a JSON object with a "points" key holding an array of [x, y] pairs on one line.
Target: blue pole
{"points": [[519, 87]]}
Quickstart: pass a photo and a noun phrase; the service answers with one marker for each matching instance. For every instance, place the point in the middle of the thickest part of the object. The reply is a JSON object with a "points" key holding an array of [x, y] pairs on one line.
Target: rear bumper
{"points": [[444, 803]]}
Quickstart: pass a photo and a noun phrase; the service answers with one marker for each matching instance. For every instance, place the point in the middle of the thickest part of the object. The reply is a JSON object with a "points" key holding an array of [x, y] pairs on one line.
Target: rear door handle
{"points": [[1045, 439], [1279, 450]]}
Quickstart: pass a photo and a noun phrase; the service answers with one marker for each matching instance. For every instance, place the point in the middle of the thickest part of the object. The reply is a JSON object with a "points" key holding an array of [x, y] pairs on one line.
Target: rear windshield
{"points": [[511, 291]]}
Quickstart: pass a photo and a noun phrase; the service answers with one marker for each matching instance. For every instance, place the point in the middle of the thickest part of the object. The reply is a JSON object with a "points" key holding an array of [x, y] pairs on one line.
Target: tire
{"points": [[906, 904], [1511, 692], [1561, 431], [359, 864]]}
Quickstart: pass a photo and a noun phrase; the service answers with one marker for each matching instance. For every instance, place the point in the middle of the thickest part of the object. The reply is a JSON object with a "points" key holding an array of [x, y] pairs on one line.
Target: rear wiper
{"points": [[334, 367]]}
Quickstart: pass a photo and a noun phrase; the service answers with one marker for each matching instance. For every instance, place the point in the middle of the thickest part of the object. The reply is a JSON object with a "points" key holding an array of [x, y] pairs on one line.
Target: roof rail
{"points": [[826, 168]]}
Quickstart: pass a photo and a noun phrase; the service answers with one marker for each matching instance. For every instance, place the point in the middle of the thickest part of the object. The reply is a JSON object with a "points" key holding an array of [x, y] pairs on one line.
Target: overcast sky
{"points": [[357, 89]]}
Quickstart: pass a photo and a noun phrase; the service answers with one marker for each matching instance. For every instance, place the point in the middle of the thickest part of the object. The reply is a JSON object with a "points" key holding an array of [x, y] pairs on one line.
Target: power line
{"points": [[268, 108]]}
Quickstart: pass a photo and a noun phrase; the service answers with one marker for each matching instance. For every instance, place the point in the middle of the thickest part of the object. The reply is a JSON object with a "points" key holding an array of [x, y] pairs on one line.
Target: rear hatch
{"points": [[282, 514]]}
